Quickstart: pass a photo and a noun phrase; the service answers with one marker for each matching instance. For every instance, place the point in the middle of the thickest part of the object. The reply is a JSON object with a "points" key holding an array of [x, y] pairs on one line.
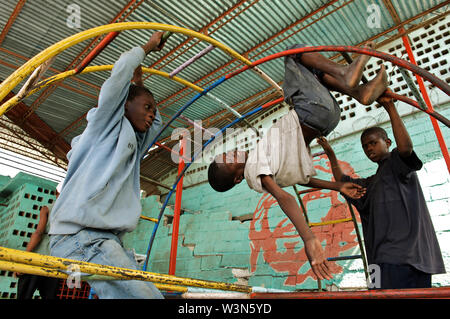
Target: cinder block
{"points": [[210, 262], [235, 260]]}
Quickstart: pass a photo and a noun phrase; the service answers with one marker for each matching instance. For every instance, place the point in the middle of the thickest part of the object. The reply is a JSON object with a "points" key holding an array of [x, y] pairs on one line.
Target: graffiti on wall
{"points": [[281, 246]]}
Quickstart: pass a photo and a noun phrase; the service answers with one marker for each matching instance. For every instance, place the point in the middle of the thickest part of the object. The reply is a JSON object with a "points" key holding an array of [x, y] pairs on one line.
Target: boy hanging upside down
{"points": [[283, 157]]}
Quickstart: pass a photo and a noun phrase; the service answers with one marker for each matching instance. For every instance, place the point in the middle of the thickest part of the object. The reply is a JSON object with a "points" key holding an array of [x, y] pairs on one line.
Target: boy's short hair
{"points": [[135, 91], [219, 179], [375, 130]]}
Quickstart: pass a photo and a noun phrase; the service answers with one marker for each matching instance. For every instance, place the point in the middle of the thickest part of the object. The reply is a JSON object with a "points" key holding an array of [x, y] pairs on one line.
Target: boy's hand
{"points": [[137, 77], [154, 43], [316, 257], [322, 141], [352, 190], [386, 101]]}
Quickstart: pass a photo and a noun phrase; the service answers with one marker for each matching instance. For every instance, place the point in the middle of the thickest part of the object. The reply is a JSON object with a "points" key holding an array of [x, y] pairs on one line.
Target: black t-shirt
{"points": [[397, 226]]}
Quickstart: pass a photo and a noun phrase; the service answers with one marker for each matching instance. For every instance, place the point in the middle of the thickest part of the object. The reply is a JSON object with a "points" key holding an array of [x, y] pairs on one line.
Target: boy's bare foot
{"points": [[354, 71], [371, 91]]}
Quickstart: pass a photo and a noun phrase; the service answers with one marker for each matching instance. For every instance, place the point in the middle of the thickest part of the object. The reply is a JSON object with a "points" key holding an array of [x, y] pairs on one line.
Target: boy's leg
{"points": [[48, 287], [366, 93], [345, 78], [113, 254], [348, 76], [26, 286], [102, 247]]}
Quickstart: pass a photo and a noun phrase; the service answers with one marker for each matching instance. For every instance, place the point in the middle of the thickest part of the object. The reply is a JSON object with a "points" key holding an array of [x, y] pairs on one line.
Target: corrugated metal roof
{"points": [[256, 28]]}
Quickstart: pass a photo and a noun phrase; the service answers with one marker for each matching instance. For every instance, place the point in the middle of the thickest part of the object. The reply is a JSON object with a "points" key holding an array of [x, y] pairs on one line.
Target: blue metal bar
{"points": [[178, 113], [184, 107], [343, 258]]}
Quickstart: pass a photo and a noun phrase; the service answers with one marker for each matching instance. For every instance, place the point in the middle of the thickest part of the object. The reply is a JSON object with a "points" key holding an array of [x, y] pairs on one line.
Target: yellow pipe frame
{"points": [[331, 222], [155, 220], [61, 76], [28, 258], [17, 76], [48, 272]]}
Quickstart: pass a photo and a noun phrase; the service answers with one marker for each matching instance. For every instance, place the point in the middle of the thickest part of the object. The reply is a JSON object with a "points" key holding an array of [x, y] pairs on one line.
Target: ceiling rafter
{"points": [[245, 54], [37, 129], [42, 150], [122, 15], [11, 20]]}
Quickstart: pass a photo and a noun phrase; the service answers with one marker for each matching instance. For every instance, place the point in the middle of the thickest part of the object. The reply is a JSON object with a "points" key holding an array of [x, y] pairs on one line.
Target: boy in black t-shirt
{"points": [[398, 232]]}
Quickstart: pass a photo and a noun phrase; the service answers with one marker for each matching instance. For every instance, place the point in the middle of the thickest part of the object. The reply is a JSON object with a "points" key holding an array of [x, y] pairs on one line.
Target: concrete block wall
{"points": [[22, 197], [242, 236]]}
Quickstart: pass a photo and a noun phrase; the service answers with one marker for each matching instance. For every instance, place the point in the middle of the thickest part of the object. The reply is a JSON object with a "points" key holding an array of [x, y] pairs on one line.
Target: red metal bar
{"points": [[120, 17], [344, 48], [441, 292], [407, 100], [96, 51], [172, 151], [11, 20], [176, 213], [274, 102], [427, 100]]}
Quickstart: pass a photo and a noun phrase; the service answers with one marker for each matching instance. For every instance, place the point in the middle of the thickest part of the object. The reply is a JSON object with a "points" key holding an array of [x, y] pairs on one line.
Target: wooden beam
{"points": [[390, 7]]}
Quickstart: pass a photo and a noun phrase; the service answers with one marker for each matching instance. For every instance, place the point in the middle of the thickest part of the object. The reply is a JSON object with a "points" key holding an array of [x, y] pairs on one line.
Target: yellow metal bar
{"points": [[32, 270], [17, 76], [149, 218], [175, 78], [23, 257], [337, 221], [49, 272], [61, 76]]}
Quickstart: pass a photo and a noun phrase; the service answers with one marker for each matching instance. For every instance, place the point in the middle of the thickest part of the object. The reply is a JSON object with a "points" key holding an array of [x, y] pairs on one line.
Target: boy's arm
{"points": [[151, 133], [40, 229], [114, 90], [402, 138], [36, 237], [335, 168], [313, 248], [349, 189], [137, 77]]}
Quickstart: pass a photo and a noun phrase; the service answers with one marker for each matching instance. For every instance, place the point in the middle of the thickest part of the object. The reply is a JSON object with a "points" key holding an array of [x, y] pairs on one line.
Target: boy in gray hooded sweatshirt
{"points": [[100, 198]]}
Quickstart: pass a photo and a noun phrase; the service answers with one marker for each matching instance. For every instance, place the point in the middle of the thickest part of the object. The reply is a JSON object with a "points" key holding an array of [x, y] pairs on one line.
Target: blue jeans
{"points": [[105, 248]]}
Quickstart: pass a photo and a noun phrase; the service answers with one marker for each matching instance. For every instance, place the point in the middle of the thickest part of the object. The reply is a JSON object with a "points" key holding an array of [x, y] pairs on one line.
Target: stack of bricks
{"points": [[22, 198]]}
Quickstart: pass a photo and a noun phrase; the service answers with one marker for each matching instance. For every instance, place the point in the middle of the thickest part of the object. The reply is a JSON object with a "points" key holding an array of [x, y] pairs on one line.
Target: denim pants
{"points": [[105, 248]]}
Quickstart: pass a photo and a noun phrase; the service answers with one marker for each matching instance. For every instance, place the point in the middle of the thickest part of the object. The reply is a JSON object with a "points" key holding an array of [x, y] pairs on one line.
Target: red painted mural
{"points": [[281, 246]]}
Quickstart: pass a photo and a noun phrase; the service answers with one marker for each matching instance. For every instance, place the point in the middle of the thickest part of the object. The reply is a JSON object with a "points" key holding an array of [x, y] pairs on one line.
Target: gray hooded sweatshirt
{"points": [[102, 188]]}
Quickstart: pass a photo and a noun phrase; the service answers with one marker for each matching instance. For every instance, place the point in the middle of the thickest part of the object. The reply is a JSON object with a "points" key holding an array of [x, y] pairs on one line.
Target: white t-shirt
{"points": [[282, 153]]}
